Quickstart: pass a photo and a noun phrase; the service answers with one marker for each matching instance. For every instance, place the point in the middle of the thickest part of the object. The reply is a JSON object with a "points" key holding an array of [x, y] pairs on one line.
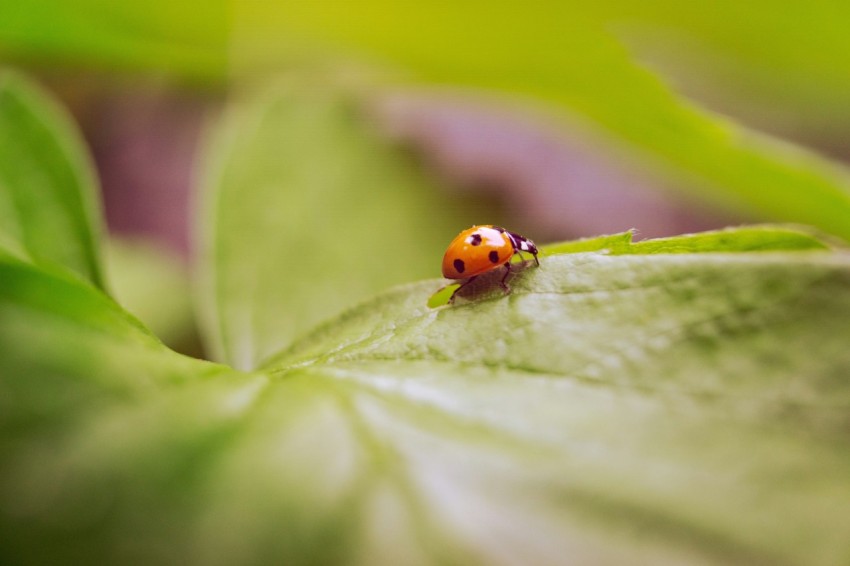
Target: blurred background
{"points": [[560, 122]]}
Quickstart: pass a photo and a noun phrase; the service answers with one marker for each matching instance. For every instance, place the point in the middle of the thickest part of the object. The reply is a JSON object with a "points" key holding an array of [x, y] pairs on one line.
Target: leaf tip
{"points": [[442, 296]]}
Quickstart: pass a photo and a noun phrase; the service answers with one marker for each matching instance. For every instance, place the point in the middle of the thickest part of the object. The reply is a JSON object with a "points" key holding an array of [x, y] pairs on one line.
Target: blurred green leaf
{"points": [[48, 193], [307, 210], [792, 59], [151, 282], [82, 450], [563, 55], [66, 345], [188, 37]]}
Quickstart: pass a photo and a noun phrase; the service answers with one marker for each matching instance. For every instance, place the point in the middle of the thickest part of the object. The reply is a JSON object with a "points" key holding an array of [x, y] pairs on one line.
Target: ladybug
{"points": [[481, 249]]}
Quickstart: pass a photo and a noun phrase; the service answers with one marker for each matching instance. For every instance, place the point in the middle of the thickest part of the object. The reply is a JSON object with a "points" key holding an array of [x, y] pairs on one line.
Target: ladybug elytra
{"points": [[481, 249]]}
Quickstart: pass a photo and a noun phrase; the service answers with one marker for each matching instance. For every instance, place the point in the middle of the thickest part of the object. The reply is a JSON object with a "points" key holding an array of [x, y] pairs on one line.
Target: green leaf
{"points": [[742, 239], [84, 445], [307, 210], [68, 348], [187, 38], [655, 408], [701, 399], [151, 282], [564, 56], [784, 61], [48, 193]]}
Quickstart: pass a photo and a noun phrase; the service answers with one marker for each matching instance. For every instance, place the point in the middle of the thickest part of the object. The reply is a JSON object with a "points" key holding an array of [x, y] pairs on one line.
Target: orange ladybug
{"points": [[481, 249]]}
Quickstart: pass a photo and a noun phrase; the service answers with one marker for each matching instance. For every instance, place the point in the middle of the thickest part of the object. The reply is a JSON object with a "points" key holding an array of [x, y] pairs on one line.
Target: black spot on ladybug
{"points": [[460, 267], [476, 239], [494, 256]]}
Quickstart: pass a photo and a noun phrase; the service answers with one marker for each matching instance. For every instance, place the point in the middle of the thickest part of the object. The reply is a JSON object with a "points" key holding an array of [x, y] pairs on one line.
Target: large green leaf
{"points": [[658, 408], [697, 402], [306, 210], [48, 194]]}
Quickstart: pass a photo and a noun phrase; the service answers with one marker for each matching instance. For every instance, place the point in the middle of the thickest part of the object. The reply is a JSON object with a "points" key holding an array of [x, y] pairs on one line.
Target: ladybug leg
{"points": [[522, 257], [462, 285], [505, 276]]}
